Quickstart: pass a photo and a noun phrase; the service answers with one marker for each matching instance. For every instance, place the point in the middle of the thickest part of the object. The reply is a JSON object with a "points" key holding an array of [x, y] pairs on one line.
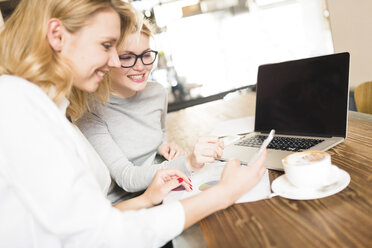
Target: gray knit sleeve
{"points": [[128, 176]]}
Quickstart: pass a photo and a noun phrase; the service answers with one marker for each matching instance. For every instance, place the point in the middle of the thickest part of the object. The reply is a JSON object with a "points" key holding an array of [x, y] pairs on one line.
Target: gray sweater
{"points": [[127, 132]]}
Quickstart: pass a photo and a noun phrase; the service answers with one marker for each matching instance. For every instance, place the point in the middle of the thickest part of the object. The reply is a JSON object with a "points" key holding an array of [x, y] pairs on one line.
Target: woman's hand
{"points": [[164, 181], [206, 150], [170, 151], [237, 179]]}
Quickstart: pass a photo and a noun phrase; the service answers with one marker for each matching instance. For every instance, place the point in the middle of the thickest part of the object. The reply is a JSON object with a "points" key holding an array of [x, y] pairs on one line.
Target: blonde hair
{"points": [[25, 50], [145, 28]]}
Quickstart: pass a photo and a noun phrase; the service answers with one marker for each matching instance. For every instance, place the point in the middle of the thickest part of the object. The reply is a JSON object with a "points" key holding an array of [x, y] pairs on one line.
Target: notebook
{"points": [[305, 101]]}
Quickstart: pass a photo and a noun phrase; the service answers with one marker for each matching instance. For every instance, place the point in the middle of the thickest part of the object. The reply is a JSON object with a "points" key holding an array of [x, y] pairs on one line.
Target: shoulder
{"points": [[90, 121], [155, 88], [17, 86], [27, 107], [18, 91]]}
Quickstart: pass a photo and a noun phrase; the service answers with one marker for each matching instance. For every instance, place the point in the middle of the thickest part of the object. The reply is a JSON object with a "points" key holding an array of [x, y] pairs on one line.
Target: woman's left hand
{"points": [[164, 181], [170, 151]]}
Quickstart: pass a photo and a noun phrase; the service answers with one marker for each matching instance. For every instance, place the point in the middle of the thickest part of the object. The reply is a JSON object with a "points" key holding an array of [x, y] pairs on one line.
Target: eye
{"points": [[126, 57], [147, 55], [107, 45]]}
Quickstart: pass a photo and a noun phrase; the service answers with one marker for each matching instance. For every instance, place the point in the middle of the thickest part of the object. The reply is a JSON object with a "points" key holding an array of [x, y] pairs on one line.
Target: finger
{"points": [[215, 153], [186, 185], [172, 153], [260, 161], [176, 182], [221, 144], [206, 146], [174, 173], [219, 152], [178, 154], [234, 162], [172, 184], [166, 156], [262, 172], [208, 139], [201, 161]]}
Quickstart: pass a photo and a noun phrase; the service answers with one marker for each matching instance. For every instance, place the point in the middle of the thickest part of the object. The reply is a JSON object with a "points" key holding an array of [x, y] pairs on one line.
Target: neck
{"points": [[123, 93]]}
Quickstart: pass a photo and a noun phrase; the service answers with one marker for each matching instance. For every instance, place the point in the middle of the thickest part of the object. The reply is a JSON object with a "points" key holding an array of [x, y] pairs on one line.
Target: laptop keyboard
{"points": [[281, 143]]}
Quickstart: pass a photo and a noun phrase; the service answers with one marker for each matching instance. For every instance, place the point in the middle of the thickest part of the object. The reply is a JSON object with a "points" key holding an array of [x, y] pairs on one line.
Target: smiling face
{"points": [[92, 49], [127, 81]]}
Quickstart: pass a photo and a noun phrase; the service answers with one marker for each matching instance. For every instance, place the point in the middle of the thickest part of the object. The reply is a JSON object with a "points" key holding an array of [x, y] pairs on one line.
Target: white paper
{"points": [[234, 126], [212, 172]]}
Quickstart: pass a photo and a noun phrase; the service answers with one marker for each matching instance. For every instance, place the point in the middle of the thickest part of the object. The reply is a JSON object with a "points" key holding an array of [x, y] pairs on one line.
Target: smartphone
{"points": [[265, 143]]}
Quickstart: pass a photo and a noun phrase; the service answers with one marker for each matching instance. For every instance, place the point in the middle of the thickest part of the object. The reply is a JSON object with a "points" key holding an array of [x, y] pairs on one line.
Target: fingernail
{"points": [[180, 180], [189, 179]]}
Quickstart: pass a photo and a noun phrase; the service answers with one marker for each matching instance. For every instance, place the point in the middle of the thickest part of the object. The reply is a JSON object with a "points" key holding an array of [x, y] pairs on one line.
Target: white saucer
{"points": [[282, 187]]}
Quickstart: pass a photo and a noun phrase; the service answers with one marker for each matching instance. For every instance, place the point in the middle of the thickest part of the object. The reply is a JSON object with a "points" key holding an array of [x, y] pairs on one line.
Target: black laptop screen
{"points": [[304, 97]]}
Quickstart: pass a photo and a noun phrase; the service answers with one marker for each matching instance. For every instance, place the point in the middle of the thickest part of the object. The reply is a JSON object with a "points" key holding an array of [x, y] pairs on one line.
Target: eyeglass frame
{"points": [[139, 56]]}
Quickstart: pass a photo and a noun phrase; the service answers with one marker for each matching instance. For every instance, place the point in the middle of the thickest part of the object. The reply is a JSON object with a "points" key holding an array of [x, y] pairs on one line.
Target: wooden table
{"points": [[340, 220]]}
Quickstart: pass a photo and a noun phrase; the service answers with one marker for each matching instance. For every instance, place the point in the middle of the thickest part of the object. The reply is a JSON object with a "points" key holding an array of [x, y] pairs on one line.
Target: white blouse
{"points": [[52, 186]]}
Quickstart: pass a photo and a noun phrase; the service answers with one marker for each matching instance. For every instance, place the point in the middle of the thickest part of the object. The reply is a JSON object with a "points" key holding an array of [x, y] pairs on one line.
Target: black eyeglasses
{"points": [[130, 59]]}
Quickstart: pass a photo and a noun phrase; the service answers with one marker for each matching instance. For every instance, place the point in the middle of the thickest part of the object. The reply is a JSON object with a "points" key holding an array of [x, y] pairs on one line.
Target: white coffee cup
{"points": [[309, 169]]}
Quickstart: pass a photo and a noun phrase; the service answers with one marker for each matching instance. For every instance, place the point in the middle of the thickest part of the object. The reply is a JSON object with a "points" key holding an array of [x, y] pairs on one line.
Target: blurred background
{"points": [[209, 48]]}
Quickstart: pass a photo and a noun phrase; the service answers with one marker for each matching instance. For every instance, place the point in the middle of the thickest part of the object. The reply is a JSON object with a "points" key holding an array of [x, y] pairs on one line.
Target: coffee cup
{"points": [[309, 169]]}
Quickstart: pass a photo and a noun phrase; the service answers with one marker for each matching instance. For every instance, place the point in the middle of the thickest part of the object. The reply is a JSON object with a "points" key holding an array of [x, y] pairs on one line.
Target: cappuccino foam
{"points": [[307, 157]]}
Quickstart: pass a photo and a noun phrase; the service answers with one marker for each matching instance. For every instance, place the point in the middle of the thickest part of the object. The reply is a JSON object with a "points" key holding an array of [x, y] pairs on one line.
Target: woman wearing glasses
{"points": [[129, 130]]}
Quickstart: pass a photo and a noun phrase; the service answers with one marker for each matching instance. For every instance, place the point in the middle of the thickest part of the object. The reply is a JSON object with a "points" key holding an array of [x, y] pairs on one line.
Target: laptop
{"points": [[305, 101]]}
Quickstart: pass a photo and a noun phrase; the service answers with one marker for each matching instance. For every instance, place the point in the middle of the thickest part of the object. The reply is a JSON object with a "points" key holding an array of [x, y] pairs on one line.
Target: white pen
{"points": [[264, 145]]}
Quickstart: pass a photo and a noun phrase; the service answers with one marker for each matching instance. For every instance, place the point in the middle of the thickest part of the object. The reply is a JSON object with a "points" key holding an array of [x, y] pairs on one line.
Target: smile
{"points": [[100, 73], [137, 77]]}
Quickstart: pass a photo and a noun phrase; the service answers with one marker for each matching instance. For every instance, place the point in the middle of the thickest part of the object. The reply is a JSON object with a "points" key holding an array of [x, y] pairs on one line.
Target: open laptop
{"points": [[305, 101]]}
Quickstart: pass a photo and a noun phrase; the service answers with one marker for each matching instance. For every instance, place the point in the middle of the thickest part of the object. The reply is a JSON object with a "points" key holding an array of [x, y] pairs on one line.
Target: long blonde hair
{"points": [[25, 50]]}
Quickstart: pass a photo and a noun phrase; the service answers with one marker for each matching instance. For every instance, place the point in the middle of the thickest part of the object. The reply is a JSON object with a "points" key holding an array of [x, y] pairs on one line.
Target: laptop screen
{"points": [[304, 97]]}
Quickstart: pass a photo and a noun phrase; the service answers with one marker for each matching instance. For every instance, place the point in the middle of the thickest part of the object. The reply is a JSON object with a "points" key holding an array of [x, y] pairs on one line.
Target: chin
{"points": [[89, 87], [140, 86]]}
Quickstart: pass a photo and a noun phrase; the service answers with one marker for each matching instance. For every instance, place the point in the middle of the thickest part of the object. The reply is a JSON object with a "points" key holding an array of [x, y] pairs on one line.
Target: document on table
{"points": [[210, 175], [234, 126]]}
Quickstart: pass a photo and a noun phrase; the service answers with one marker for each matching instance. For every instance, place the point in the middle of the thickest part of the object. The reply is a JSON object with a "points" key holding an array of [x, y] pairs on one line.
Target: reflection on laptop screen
{"points": [[304, 97]]}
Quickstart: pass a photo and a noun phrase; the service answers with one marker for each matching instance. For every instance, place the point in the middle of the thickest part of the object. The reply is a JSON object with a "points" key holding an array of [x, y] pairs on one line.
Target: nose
{"points": [[114, 59], [138, 66]]}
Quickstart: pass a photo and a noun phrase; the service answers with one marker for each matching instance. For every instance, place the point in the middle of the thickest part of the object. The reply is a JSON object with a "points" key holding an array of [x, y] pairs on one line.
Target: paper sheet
{"points": [[212, 172], [233, 127]]}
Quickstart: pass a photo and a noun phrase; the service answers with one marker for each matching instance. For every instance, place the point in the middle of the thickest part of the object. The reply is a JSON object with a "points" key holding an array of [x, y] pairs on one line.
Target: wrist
{"points": [[190, 165], [145, 201], [226, 198]]}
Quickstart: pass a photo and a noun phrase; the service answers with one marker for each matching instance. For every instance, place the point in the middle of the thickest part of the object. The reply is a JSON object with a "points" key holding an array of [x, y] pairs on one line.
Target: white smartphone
{"points": [[265, 143]]}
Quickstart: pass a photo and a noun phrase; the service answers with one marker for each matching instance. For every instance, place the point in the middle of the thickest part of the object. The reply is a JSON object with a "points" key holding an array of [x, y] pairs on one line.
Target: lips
{"points": [[101, 73], [136, 77]]}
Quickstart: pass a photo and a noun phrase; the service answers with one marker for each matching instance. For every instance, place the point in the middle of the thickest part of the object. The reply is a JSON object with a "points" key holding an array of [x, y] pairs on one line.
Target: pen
{"points": [[224, 160], [228, 140]]}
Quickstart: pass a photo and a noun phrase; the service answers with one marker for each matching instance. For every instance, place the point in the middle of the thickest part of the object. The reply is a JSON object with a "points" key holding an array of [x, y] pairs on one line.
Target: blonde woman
{"points": [[50, 195], [129, 130]]}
